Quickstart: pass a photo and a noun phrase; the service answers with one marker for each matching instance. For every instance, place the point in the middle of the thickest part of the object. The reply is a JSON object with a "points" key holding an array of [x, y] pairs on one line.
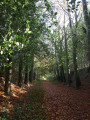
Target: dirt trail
{"points": [[66, 103]]}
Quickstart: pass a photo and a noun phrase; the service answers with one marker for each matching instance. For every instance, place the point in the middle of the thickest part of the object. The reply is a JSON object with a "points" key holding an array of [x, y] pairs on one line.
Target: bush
{"points": [[37, 82], [53, 79]]}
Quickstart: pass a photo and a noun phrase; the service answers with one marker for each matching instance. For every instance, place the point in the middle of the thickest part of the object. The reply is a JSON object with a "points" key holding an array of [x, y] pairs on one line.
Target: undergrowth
{"points": [[53, 80], [29, 108], [37, 82]]}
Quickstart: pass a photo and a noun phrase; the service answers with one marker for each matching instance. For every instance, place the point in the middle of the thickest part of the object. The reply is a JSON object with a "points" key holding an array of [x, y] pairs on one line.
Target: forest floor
{"points": [[47, 101], [66, 103], [26, 103]]}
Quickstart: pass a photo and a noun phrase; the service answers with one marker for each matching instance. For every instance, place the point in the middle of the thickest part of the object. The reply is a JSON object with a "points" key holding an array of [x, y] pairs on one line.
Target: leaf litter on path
{"points": [[66, 103]]}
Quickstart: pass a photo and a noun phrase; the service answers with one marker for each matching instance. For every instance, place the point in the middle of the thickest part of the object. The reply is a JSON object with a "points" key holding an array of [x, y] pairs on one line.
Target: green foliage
{"points": [[20, 27], [52, 79], [37, 82], [73, 5]]}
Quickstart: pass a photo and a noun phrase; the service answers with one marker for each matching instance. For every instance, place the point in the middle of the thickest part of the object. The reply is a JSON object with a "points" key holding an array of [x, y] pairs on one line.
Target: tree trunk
{"points": [[8, 76], [20, 79], [31, 75], [58, 73], [67, 60], [62, 75], [74, 40], [31, 71], [87, 22], [76, 74], [67, 68], [26, 81], [34, 75]]}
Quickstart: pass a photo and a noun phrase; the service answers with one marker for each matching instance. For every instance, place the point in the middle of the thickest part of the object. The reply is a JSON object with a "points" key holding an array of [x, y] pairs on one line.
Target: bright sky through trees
{"points": [[59, 7]]}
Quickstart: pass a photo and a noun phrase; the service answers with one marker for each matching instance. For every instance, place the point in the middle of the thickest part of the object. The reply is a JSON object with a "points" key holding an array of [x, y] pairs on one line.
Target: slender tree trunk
{"points": [[31, 71], [31, 75], [87, 22], [67, 60], [20, 79], [67, 68], [76, 74], [74, 40], [62, 75], [54, 71], [34, 75], [8, 76], [26, 81], [58, 74]]}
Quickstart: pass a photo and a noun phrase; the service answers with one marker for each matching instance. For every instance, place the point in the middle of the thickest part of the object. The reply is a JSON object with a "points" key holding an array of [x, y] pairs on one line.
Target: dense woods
{"points": [[44, 40]]}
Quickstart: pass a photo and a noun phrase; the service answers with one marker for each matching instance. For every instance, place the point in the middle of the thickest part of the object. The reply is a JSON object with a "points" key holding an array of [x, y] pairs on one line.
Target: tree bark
{"points": [[31, 76], [26, 81], [74, 41], [31, 71], [20, 79], [8, 77], [62, 75], [67, 60], [87, 22]]}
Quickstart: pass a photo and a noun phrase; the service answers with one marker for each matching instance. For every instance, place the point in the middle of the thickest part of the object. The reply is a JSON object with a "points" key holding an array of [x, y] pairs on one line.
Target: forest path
{"points": [[66, 103]]}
